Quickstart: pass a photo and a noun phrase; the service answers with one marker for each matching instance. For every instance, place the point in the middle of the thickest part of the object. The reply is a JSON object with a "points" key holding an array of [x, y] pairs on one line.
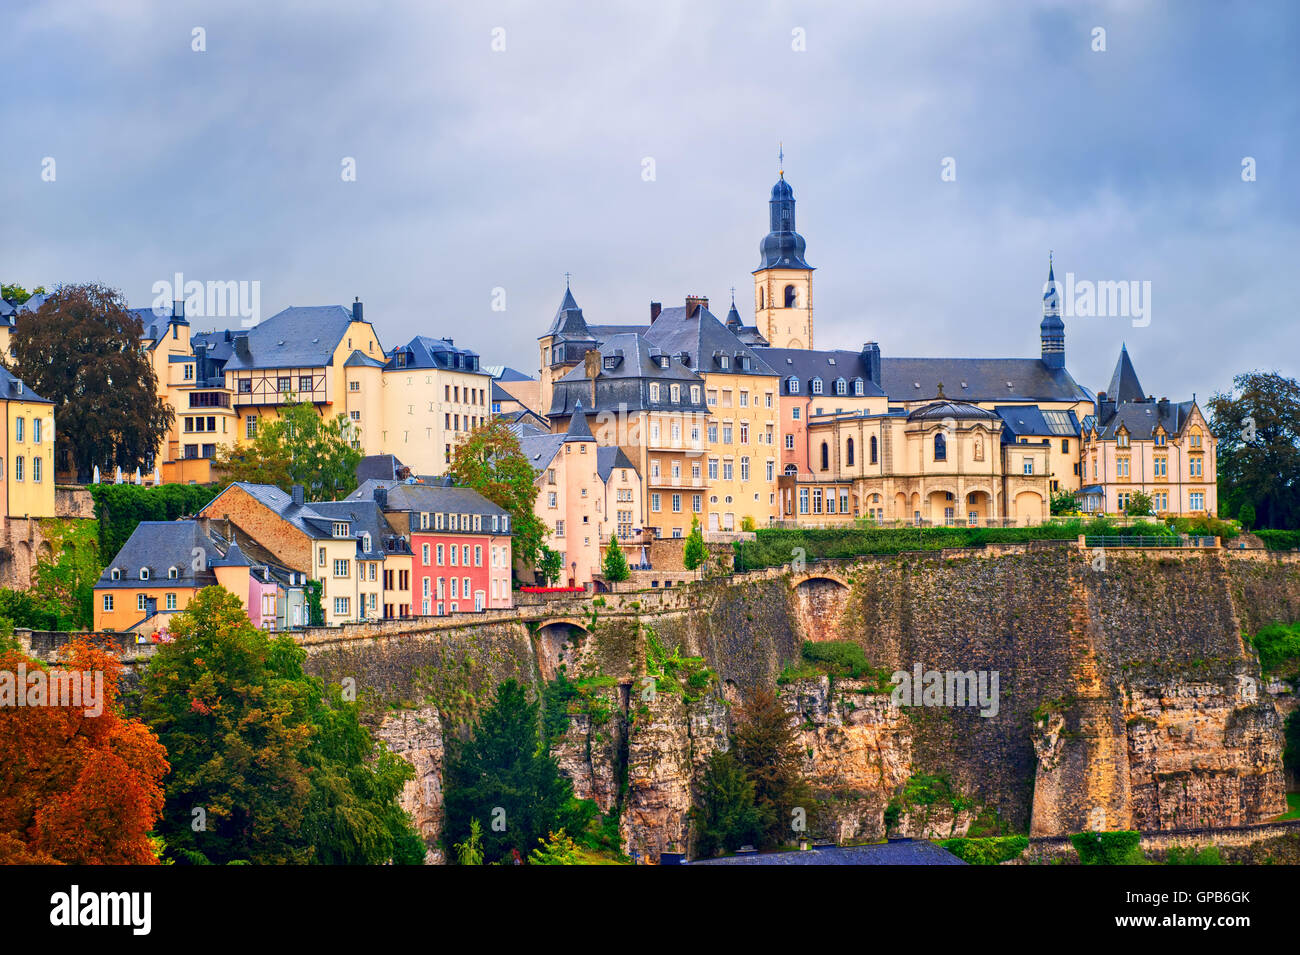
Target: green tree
{"points": [[16, 293], [549, 565], [1257, 426], [725, 815], [694, 553], [615, 563], [315, 606], [1246, 514], [81, 350], [490, 461], [236, 730], [1064, 502], [1139, 505], [504, 776], [767, 749], [470, 852], [301, 446]]}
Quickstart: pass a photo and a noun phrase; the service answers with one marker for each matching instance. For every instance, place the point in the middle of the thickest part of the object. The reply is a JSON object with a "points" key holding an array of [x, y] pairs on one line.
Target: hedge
{"points": [[774, 547], [120, 507], [991, 850], [1279, 540]]}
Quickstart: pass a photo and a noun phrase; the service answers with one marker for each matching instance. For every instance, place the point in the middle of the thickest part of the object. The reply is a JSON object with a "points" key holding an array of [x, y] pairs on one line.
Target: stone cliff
{"points": [[1127, 697]]}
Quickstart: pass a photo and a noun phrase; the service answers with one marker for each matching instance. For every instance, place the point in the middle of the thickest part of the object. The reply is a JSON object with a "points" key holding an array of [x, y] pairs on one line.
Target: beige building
{"points": [[433, 395]]}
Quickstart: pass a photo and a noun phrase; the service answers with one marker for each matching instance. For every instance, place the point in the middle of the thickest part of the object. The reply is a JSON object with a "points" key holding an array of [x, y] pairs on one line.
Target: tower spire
{"points": [[780, 159]]}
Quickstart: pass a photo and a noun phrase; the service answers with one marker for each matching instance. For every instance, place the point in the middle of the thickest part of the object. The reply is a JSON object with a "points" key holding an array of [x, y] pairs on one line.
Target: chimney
{"points": [[693, 303], [591, 362], [1164, 406], [299, 495], [871, 358], [381, 497], [241, 344], [655, 308], [178, 308], [357, 312]]}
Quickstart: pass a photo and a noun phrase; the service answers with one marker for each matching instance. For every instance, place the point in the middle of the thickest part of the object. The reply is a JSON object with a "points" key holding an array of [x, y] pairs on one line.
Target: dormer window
{"points": [[365, 541], [724, 361], [115, 574], [654, 391], [341, 528], [144, 573], [675, 393], [816, 386], [794, 385], [173, 573], [857, 387], [841, 386]]}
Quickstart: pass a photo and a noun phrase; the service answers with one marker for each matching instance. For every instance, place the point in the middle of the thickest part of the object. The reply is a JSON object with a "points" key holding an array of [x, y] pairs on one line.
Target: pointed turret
{"points": [[1124, 384], [578, 428], [568, 322], [733, 316], [1052, 329]]}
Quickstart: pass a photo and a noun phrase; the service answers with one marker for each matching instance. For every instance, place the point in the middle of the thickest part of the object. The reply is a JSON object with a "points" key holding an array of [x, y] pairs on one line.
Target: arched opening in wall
{"points": [[791, 297], [1028, 507], [979, 507], [44, 551], [848, 452], [874, 448], [558, 643], [940, 448], [819, 604], [761, 305], [826, 456]]}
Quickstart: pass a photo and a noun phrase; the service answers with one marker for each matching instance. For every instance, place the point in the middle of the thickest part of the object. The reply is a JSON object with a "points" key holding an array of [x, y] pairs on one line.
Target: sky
{"points": [[937, 152]]}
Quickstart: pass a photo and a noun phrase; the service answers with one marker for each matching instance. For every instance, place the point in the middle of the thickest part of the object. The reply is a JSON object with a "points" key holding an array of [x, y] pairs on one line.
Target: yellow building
{"points": [[27, 471]]}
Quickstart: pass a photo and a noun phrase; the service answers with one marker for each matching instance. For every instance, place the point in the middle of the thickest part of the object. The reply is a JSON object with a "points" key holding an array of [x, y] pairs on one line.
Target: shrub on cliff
{"points": [[990, 851], [725, 816], [1279, 540], [505, 777], [1109, 848], [1278, 645]]}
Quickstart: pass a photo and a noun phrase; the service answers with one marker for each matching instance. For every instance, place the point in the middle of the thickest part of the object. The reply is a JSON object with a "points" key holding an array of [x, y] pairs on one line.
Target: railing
{"points": [[1116, 540]]}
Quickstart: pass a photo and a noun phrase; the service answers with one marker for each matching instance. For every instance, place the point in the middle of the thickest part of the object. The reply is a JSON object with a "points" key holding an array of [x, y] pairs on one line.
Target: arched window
{"points": [[760, 298], [116, 574], [144, 573], [826, 456], [791, 470], [873, 449], [791, 298], [172, 573], [839, 386], [848, 453], [794, 386], [940, 448], [857, 386], [816, 386]]}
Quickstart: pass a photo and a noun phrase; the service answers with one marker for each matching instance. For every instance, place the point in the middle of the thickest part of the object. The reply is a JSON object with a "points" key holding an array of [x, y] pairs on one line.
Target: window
{"points": [[771, 470], [654, 391], [873, 449], [36, 468], [116, 574], [675, 394], [826, 456], [1028, 466], [677, 503], [791, 297], [796, 413], [695, 394], [171, 601], [341, 567], [654, 506], [816, 386], [245, 386], [1065, 445], [1196, 500], [848, 453], [803, 500], [1161, 465], [342, 605], [1194, 466], [841, 386], [744, 469], [789, 442], [173, 573], [478, 555], [713, 469], [140, 600], [108, 602], [304, 383], [320, 557], [18, 468], [284, 384], [18, 428], [1121, 467], [857, 387], [340, 528], [36, 431], [354, 386], [793, 385], [940, 448], [250, 426]]}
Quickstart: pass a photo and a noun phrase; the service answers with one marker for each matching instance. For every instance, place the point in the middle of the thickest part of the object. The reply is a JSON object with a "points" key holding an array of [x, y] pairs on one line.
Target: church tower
{"points": [[783, 307], [1052, 329]]}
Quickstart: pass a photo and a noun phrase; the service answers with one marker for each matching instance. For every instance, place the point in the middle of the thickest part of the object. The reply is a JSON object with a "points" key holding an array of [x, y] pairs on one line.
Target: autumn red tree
{"points": [[77, 789]]}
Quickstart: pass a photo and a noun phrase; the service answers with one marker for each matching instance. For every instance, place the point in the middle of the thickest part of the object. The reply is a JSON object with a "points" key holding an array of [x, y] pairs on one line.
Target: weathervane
{"points": [[566, 279], [780, 156]]}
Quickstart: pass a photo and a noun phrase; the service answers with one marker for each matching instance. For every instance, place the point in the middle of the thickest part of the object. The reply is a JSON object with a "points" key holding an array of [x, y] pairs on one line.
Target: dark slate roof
{"points": [[159, 546], [604, 332], [385, 467], [943, 408], [703, 338], [297, 337], [1139, 418], [610, 457], [1124, 384], [500, 394], [303, 517], [506, 373], [6, 310], [155, 321], [425, 352], [423, 497], [360, 358], [568, 322], [894, 852], [628, 363], [522, 421], [34, 303], [1029, 421], [541, 449], [365, 517], [783, 247], [978, 379], [805, 365], [15, 389], [578, 428]]}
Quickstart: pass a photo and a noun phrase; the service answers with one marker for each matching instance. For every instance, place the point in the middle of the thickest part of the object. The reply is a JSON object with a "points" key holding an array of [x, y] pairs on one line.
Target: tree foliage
{"points": [[549, 565], [120, 507], [81, 350], [74, 788], [725, 815], [301, 446], [490, 461], [694, 553], [615, 566], [767, 749], [1139, 505], [281, 770], [1257, 425], [16, 293], [504, 776]]}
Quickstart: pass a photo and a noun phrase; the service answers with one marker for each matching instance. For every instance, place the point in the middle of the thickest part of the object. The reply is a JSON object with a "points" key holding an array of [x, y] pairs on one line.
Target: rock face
{"points": [[1127, 696], [416, 736]]}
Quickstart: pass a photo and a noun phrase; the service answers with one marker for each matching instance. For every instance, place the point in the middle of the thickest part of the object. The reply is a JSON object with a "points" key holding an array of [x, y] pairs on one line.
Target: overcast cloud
{"points": [[479, 169]]}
